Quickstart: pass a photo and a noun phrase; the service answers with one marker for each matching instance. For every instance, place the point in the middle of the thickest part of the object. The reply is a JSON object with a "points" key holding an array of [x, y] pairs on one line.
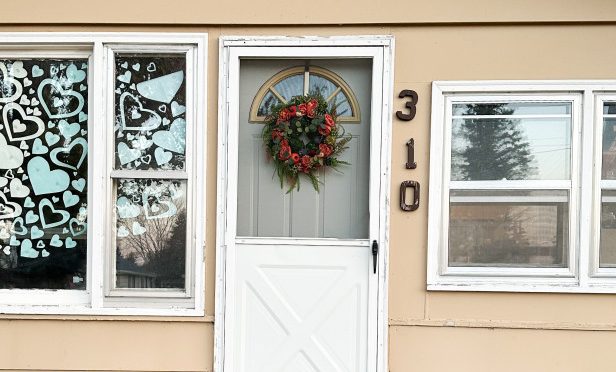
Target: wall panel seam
{"points": [[502, 324]]}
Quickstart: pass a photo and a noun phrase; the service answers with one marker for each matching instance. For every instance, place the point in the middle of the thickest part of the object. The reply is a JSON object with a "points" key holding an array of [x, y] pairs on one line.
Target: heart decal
{"points": [[18, 190], [19, 122], [57, 91], [141, 119], [27, 250], [126, 154], [126, 208], [5, 84], [173, 139], [8, 209], [77, 227], [18, 227], [17, 69], [10, 157], [163, 88], [44, 180], [66, 150], [47, 211], [74, 74]]}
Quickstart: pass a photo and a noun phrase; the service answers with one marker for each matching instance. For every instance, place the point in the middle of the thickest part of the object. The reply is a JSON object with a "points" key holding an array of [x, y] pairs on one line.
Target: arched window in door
{"points": [[302, 80]]}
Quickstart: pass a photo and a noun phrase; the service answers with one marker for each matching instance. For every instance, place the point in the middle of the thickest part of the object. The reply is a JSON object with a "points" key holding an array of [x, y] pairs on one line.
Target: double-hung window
{"points": [[522, 190], [101, 179]]}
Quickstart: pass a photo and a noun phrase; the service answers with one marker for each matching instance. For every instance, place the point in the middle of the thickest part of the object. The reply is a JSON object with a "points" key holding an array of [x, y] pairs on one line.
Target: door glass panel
{"points": [[291, 86], [340, 208], [321, 85]]}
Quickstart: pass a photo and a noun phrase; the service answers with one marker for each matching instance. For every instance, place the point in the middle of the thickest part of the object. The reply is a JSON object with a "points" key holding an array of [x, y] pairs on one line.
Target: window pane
{"points": [[512, 108], [150, 108], [151, 233], [291, 86], [341, 102], [43, 173], [490, 148], [508, 228], [608, 168], [268, 102], [609, 108], [607, 255], [319, 84]]}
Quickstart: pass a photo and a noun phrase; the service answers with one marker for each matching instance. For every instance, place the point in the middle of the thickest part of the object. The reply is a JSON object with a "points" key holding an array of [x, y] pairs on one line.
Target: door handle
{"points": [[375, 255]]}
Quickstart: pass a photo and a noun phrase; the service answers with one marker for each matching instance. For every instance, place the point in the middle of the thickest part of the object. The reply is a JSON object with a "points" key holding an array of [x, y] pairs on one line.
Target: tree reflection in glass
{"points": [[151, 234], [509, 142]]}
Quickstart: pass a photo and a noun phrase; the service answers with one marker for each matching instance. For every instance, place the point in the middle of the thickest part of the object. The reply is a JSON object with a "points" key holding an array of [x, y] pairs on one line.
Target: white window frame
{"points": [[98, 298], [583, 274]]}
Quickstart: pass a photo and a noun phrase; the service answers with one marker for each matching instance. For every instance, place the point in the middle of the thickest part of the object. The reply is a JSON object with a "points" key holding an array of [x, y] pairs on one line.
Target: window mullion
{"points": [[98, 172]]}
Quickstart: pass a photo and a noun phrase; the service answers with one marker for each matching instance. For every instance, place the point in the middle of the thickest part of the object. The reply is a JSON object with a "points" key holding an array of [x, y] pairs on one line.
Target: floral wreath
{"points": [[301, 136]]}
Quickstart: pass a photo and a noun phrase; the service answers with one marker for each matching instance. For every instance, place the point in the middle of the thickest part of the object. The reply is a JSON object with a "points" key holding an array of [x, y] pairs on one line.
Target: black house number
{"points": [[411, 104]]}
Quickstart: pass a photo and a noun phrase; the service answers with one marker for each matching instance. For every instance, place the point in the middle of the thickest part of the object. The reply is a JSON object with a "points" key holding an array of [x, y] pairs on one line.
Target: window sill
{"points": [[104, 311]]}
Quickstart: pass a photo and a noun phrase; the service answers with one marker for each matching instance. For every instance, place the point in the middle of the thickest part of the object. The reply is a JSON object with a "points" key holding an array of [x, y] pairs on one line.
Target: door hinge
{"points": [[375, 255]]}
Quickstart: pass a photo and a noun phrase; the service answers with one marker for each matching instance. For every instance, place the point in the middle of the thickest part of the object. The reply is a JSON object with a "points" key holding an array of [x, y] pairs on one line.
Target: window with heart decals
{"points": [[150, 136], [43, 173]]}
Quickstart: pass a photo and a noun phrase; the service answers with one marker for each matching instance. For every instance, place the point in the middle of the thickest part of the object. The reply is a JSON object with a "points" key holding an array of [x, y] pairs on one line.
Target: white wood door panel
{"points": [[301, 308]]}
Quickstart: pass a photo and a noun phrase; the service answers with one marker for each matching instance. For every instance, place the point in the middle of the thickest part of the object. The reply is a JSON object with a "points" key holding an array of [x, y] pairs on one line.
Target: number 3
{"points": [[411, 105]]}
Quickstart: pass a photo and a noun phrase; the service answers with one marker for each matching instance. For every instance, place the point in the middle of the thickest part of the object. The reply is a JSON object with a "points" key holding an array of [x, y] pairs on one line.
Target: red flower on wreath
{"points": [[302, 108], [284, 115], [329, 121], [292, 111], [306, 160], [276, 135], [295, 157], [284, 153], [326, 150], [324, 130], [311, 108]]}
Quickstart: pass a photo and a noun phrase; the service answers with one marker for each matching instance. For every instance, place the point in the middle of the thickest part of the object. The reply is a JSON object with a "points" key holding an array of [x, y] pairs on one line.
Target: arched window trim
{"points": [[341, 85]]}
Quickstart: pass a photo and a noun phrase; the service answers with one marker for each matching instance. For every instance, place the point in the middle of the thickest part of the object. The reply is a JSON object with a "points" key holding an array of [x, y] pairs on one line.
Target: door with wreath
{"points": [[304, 291]]}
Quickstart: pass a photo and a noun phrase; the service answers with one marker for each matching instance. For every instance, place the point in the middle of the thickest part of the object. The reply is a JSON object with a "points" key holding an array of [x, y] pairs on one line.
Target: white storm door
{"points": [[301, 288]]}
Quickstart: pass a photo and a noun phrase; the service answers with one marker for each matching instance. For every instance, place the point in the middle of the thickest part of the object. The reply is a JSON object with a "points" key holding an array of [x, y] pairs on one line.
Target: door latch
{"points": [[375, 254]]}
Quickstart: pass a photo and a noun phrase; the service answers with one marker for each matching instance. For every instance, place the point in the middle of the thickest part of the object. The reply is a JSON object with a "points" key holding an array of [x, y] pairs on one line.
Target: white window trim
{"points": [[93, 301], [584, 276]]}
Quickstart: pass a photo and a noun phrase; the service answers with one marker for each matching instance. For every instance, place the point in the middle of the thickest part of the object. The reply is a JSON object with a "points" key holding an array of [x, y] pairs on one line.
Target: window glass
{"points": [[512, 108], [508, 228], [269, 101], [608, 168], [341, 103], [321, 85], [291, 86], [43, 173], [487, 146], [150, 125], [150, 233]]}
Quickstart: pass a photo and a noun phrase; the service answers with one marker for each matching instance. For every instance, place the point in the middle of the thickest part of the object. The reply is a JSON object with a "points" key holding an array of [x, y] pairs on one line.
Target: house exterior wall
{"points": [[429, 331]]}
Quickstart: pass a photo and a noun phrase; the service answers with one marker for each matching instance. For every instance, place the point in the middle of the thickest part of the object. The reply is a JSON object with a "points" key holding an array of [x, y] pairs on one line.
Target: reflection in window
{"points": [[508, 228], [151, 233], [491, 142], [43, 173]]}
